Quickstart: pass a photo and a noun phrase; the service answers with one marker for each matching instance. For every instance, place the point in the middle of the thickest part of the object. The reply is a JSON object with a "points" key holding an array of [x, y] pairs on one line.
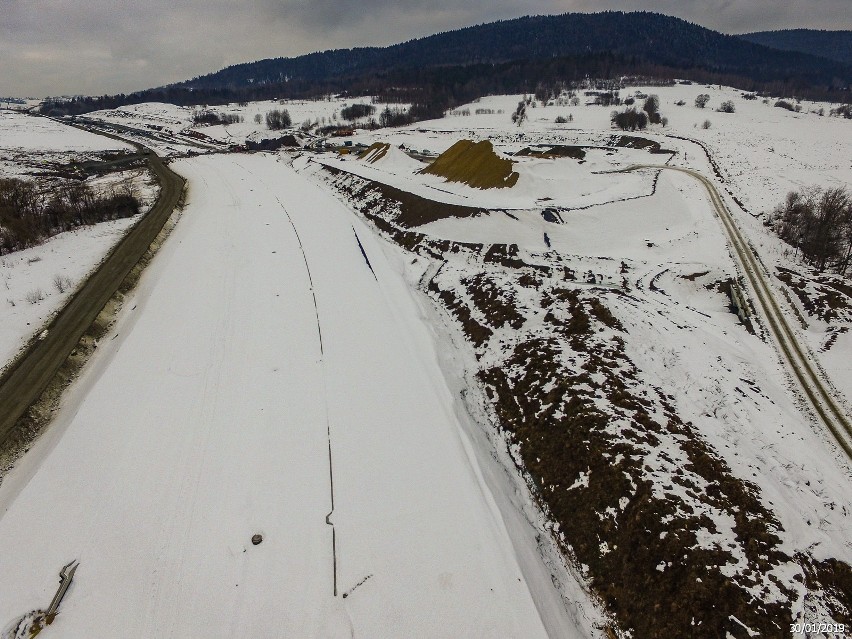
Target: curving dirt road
{"points": [[24, 381], [818, 392]]}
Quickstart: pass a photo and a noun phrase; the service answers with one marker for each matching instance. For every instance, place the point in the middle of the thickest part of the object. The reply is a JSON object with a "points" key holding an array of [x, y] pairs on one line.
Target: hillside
{"points": [[509, 56], [834, 45], [662, 39]]}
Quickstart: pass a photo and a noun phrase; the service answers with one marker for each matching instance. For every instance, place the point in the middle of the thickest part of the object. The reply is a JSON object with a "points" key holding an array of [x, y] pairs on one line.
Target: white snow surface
{"points": [[19, 131], [208, 418]]}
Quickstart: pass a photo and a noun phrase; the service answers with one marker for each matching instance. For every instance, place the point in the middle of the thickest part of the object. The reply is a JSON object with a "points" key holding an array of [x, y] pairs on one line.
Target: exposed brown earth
{"points": [[475, 164]]}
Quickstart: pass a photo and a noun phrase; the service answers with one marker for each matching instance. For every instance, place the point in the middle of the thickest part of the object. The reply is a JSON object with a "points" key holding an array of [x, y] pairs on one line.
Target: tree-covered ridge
{"points": [[834, 45], [665, 40]]}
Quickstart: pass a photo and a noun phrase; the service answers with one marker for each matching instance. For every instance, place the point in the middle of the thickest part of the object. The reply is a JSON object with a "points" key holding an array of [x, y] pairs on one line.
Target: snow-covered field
{"points": [[26, 133], [762, 152], [167, 127], [260, 336], [36, 282], [284, 369], [31, 145], [656, 263]]}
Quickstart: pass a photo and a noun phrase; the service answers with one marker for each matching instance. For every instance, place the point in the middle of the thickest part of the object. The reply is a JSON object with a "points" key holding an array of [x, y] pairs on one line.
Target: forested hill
{"points": [[511, 56], [652, 37], [834, 45]]}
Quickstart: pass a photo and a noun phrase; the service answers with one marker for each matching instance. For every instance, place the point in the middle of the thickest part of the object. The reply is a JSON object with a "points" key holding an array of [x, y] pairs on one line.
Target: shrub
{"points": [[783, 104], [34, 296], [278, 119], [61, 282], [397, 117], [707, 124], [520, 113], [727, 107], [30, 213], [702, 100], [651, 106], [844, 110]]}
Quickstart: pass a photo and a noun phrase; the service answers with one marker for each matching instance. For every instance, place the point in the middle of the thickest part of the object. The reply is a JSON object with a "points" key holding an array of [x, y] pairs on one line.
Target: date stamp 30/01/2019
{"points": [[822, 628]]}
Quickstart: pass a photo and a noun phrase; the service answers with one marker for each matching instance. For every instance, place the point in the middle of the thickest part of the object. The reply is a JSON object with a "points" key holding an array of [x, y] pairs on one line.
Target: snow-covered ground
{"points": [[762, 152], [276, 321], [27, 133], [30, 145], [272, 325]]}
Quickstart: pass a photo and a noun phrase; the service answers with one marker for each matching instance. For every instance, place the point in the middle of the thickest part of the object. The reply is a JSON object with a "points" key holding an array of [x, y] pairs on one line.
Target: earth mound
{"points": [[475, 164]]}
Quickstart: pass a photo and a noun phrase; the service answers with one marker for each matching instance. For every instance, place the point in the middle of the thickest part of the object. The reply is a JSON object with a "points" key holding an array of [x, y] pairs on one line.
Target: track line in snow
{"points": [[307, 268], [325, 392], [325, 400]]}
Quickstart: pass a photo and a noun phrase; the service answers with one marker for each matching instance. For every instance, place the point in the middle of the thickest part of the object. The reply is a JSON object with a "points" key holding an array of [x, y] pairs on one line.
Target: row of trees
{"points": [[355, 111], [819, 224], [29, 214], [208, 118], [631, 119]]}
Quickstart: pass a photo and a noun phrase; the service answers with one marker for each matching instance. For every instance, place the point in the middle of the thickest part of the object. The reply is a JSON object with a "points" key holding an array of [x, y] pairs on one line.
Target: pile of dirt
{"points": [[375, 152], [634, 142], [475, 164]]}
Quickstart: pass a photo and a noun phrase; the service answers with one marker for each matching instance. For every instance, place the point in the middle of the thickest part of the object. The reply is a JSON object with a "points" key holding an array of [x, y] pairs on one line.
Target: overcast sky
{"points": [[56, 47]]}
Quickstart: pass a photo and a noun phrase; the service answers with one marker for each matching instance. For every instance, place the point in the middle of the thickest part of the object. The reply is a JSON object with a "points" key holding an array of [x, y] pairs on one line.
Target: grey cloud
{"points": [[99, 46]]}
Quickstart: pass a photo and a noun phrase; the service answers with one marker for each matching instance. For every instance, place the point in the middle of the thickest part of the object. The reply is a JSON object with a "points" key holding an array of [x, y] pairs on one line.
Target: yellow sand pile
{"points": [[475, 164], [375, 152]]}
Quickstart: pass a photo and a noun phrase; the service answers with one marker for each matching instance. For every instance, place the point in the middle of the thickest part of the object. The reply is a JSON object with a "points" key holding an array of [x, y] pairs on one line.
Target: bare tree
{"points": [[278, 119], [520, 113], [819, 224]]}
